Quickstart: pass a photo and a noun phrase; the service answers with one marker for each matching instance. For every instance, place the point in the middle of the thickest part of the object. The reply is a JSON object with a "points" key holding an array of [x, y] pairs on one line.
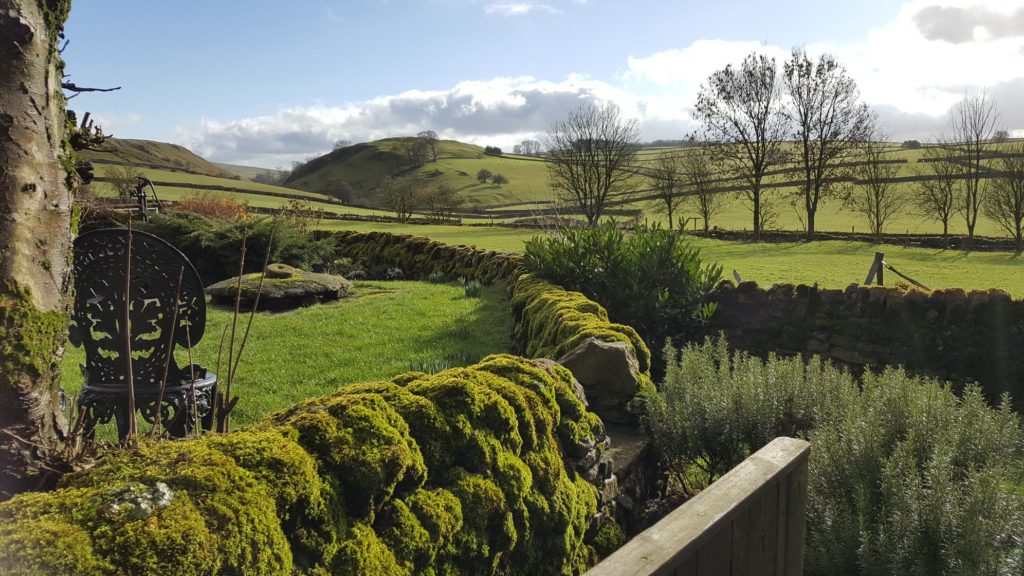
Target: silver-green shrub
{"points": [[905, 477]]}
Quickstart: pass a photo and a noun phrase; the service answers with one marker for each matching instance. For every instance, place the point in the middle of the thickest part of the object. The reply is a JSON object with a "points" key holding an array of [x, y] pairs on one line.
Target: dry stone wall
{"points": [[952, 334]]}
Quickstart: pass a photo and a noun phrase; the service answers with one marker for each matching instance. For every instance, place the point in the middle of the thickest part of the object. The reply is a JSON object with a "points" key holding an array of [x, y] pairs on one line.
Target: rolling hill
{"points": [[364, 166], [154, 155], [248, 172]]}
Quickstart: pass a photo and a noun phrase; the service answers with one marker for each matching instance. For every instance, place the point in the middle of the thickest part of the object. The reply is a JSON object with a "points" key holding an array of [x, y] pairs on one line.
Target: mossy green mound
{"points": [[284, 288], [468, 471]]}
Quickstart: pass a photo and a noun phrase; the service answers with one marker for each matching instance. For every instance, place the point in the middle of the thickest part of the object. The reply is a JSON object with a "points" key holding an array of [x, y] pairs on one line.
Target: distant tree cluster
{"points": [[410, 195], [492, 150], [528, 148], [484, 176]]}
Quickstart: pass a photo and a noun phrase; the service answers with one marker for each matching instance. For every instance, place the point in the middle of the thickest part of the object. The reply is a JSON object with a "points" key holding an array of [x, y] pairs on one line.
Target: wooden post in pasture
{"points": [[877, 269]]}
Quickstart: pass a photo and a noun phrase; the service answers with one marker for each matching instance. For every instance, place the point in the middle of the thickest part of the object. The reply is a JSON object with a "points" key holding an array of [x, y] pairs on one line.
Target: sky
{"points": [[269, 82]]}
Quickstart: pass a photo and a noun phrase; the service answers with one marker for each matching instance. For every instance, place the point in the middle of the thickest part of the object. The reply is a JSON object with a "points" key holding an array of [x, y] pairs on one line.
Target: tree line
{"points": [[756, 117]]}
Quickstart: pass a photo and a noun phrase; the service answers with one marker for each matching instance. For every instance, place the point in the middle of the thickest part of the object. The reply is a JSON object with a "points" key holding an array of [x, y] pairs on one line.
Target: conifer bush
{"points": [[905, 476]]}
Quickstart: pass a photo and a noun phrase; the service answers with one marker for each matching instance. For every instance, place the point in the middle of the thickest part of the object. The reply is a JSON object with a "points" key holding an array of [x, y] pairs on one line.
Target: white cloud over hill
{"points": [[911, 70]]}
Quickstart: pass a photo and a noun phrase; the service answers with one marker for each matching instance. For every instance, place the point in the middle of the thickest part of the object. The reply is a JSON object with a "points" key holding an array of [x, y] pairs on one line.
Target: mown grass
{"points": [[384, 329], [830, 264]]}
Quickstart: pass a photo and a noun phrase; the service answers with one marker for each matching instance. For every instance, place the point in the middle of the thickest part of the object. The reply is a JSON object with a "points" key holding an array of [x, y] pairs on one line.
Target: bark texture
{"points": [[35, 239]]}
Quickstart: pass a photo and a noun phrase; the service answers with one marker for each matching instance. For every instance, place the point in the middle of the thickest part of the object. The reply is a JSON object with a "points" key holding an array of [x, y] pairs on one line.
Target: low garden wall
{"points": [[472, 471], [951, 334], [610, 360]]}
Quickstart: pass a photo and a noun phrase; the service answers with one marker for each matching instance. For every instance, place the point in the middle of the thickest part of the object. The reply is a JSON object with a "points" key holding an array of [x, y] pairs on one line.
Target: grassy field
{"points": [[385, 329], [830, 264]]}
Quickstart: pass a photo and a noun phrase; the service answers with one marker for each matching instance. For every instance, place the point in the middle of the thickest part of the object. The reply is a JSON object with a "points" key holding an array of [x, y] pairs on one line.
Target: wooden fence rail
{"points": [[750, 522]]}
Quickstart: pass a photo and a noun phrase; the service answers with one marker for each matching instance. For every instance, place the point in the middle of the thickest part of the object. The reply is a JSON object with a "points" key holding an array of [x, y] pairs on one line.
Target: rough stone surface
{"points": [[950, 334], [608, 372], [284, 288]]}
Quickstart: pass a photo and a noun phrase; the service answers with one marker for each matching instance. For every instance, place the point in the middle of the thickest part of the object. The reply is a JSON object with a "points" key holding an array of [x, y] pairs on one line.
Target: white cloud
{"points": [[518, 8], [911, 69]]}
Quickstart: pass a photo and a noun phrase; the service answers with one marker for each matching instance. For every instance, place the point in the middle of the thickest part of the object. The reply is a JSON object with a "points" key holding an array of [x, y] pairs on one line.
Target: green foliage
{"points": [[214, 247], [460, 472], [472, 288], [905, 477], [651, 279]]}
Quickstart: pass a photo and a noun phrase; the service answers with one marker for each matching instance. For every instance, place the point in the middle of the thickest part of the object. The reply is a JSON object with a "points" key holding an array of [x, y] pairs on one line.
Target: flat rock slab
{"points": [[284, 288], [608, 371]]}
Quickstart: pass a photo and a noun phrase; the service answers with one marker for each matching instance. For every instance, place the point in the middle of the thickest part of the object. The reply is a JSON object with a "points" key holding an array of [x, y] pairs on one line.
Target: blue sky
{"points": [[267, 82]]}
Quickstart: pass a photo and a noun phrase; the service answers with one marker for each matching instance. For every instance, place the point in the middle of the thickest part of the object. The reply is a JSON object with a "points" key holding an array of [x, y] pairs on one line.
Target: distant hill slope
{"points": [[364, 166], [248, 172], [152, 154]]}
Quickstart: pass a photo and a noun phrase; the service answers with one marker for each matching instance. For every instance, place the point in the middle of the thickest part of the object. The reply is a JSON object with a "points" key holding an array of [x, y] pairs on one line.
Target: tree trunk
{"points": [[671, 222], [757, 214], [810, 223], [35, 239]]}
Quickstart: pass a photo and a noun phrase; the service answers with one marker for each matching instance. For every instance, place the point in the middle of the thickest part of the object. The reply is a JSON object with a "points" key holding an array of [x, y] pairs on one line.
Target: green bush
{"points": [[214, 246], [905, 477], [650, 278]]}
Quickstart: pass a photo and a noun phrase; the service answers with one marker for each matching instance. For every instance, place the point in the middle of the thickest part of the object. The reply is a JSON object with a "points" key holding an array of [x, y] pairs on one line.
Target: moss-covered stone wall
{"points": [[952, 334], [549, 321], [469, 471]]}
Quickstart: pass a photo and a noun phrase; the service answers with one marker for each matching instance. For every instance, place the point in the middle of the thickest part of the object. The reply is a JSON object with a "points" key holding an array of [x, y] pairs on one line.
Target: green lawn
{"points": [[385, 329], [830, 264]]}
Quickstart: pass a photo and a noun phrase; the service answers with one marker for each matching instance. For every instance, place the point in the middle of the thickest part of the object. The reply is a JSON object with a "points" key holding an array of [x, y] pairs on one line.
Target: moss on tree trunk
{"points": [[35, 237]]}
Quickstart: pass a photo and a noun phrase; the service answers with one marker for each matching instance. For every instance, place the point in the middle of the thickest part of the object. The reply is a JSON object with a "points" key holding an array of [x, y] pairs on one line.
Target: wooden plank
{"points": [[770, 529], [796, 521], [685, 531], [688, 568], [715, 558], [781, 526], [741, 537]]}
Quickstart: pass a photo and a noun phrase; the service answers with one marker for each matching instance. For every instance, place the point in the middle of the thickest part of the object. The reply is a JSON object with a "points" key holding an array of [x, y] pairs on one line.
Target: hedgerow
{"points": [[467, 471]]}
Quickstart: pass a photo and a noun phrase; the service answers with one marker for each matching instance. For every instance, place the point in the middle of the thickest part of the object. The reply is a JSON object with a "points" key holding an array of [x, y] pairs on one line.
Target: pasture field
{"points": [[830, 264], [384, 329]]}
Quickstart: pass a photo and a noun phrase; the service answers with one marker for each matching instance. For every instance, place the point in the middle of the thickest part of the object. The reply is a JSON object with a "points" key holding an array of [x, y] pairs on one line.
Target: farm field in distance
{"points": [[830, 264]]}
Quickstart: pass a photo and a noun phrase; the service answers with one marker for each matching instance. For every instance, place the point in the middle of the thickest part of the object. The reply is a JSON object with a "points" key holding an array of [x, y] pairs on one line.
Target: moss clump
{"points": [[28, 336], [283, 288], [551, 321], [237, 513], [460, 472]]}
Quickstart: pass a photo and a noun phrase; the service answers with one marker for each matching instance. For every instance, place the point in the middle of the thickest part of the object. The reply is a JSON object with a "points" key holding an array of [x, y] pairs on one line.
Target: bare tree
{"points": [[873, 193], [935, 195], [741, 108], [974, 122], [1004, 203], [529, 148], [699, 170], [401, 196], [35, 239], [829, 121], [125, 180], [429, 142], [589, 157], [666, 178], [442, 201], [415, 151]]}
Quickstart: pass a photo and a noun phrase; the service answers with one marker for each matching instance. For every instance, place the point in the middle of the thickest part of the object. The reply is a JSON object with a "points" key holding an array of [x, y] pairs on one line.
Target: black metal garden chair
{"points": [[157, 325]]}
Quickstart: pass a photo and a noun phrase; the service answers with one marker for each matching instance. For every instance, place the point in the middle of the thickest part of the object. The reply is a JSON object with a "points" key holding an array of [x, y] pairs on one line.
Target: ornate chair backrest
{"points": [[100, 266]]}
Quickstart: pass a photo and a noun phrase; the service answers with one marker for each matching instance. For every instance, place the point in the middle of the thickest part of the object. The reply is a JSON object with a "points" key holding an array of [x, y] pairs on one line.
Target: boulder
{"points": [[609, 373], [284, 288]]}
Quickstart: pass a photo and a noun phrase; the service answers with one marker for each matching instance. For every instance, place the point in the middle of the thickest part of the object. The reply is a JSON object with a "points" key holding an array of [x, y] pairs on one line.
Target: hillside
{"points": [[364, 166], [152, 154], [248, 172]]}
